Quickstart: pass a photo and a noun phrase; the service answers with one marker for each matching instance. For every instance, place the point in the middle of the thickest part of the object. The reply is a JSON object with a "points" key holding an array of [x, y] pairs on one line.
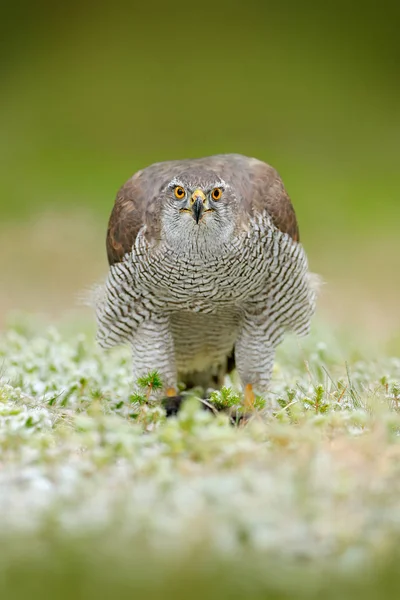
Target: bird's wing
{"points": [[136, 205], [269, 193], [260, 189], [125, 220]]}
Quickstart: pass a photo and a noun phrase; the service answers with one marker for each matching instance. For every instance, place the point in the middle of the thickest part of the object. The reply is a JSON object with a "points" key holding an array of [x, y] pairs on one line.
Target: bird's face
{"points": [[198, 211]]}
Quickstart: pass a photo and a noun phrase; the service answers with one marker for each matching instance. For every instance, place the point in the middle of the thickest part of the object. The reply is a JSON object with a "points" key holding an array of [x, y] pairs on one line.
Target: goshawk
{"points": [[206, 270]]}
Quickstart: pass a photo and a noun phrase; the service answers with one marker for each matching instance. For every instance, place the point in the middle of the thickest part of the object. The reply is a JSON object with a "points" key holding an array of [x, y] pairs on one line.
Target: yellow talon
{"points": [[171, 392]]}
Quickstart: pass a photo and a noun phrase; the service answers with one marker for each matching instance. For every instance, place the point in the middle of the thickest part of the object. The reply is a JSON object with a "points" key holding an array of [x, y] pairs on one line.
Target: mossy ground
{"points": [[102, 496]]}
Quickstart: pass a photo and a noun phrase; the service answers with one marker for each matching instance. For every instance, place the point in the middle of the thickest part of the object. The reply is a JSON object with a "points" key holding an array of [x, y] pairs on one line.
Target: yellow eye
{"points": [[216, 193], [179, 192]]}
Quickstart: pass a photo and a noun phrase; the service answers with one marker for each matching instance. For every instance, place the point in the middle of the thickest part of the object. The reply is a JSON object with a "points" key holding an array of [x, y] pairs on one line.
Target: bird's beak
{"points": [[197, 202]]}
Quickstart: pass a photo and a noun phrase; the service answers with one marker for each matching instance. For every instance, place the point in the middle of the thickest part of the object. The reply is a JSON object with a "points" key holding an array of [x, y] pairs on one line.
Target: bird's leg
{"points": [[153, 350], [254, 355], [249, 397]]}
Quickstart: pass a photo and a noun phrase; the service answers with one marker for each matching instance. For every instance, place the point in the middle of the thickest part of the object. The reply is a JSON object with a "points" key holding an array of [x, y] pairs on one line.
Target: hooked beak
{"points": [[197, 202]]}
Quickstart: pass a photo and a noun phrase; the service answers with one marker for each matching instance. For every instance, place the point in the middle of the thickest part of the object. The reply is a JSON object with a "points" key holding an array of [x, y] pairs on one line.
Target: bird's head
{"points": [[198, 210]]}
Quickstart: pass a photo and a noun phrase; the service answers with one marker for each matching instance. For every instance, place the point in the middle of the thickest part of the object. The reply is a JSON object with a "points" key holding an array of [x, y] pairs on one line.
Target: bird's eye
{"points": [[179, 192], [216, 193]]}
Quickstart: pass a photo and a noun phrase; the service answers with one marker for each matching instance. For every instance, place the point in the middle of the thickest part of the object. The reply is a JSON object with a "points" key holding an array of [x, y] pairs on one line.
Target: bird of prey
{"points": [[206, 271]]}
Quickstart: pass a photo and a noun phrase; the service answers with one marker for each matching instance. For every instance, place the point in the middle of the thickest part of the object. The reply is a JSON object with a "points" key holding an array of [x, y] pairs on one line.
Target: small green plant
{"points": [[224, 398], [138, 398], [260, 403], [149, 383], [317, 402], [395, 393], [290, 397]]}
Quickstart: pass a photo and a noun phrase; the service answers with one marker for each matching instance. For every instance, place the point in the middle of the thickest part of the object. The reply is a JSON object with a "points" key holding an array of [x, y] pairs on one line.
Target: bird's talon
{"points": [[172, 404]]}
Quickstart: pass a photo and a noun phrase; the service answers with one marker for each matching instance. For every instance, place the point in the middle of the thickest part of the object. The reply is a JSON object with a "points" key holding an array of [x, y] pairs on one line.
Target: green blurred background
{"points": [[90, 93]]}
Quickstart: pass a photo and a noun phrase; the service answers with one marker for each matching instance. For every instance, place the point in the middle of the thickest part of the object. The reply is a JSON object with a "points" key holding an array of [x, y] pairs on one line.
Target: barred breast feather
{"points": [[262, 272]]}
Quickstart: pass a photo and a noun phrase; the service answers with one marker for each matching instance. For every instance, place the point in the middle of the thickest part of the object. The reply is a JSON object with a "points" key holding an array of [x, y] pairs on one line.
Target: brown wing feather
{"points": [[270, 193], [136, 204], [125, 220]]}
